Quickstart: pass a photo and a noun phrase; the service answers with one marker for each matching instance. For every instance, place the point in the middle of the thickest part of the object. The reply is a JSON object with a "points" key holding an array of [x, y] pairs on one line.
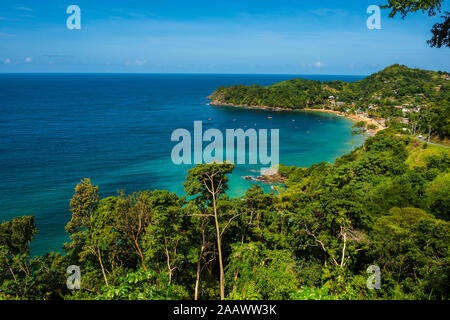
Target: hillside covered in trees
{"points": [[385, 204], [423, 97]]}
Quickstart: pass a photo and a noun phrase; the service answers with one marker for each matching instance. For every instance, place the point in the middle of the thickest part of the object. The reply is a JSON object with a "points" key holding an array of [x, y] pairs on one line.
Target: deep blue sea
{"points": [[56, 129]]}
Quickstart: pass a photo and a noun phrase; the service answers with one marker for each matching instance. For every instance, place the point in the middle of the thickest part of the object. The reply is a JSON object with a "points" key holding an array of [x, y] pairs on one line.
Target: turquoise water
{"points": [[115, 129]]}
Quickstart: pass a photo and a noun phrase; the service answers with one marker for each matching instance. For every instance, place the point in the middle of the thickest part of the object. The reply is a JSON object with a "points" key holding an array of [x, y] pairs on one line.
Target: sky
{"points": [[199, 36]]}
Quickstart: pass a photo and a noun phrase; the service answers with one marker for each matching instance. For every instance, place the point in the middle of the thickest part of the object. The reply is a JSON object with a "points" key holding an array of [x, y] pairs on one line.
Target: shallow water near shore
{"points": [[115, 129]]}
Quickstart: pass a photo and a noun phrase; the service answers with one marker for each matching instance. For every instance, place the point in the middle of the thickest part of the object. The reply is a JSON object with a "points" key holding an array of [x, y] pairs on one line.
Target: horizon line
{"points": [[193, 73]]}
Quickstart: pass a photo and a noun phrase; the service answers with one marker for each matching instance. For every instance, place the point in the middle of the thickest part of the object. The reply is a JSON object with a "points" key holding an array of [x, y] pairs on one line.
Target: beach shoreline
{"points": [[354, 118]]}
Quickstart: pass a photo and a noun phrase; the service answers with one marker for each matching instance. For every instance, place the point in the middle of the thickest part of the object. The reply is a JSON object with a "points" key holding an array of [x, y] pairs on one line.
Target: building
{"points": [[361, 113]]}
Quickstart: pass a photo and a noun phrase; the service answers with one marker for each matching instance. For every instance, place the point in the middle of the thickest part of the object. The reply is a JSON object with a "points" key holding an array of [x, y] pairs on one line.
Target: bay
{"points": [[56, 129]]}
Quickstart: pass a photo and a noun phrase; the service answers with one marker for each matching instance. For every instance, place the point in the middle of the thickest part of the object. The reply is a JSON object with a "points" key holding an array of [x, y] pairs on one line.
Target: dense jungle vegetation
{"points": [[384, 204]]}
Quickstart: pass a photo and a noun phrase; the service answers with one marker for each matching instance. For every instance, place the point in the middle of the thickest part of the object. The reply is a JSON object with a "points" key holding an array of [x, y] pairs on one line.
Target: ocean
{"points": [[56, 129]]}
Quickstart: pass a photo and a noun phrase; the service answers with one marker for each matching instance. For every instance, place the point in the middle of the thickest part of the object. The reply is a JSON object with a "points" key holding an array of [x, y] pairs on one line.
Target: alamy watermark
{"points": [[374, 21], [74, 20], [74, 280], [190, 147], [374, 281]]}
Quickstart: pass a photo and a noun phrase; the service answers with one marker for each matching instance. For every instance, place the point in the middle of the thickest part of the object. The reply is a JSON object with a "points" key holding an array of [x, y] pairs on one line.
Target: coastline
{"points": [[352, 117], [272, 179]]}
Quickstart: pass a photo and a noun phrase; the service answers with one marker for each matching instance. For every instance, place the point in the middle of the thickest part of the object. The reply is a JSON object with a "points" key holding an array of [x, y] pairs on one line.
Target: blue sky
{"points": [[245, 36]]}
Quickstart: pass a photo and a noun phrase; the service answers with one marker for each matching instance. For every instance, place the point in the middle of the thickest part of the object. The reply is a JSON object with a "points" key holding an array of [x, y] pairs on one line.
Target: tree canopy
{"points": [[441, 31], [383, 204]]}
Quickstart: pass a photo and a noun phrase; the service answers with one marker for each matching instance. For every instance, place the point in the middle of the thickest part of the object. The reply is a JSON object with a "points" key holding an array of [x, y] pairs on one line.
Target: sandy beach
{"points": [[352, 117]]}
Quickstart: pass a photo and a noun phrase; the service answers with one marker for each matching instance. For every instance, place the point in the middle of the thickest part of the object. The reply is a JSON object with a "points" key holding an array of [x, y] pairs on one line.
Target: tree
{"points": [[17, 234], [139, 285], [82, 206], [441, 31], [437, 193], [331, 225], [132, 215], [15, 262], [86, 234], [24, 277], [208, 182], [412, 249], [49, 276], [259, 273], [414, 119], [201, 231], [320, 231], [428, 121], [256, 206], [165, 233], [360, 128]]}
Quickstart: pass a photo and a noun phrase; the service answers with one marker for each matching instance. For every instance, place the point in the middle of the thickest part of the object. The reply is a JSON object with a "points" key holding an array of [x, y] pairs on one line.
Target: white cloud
{"points": [[322, 12], [136, 63], [319, 64], [28, 59], [7, 61], [24, 9]]}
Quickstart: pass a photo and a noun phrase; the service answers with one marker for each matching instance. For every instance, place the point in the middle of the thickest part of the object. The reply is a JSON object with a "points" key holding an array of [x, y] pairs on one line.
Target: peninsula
{"points": [[412, 100]]}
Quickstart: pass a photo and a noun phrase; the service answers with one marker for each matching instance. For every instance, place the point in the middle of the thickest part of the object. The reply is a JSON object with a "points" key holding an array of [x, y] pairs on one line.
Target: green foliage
{"points": [[395, 85], [404, 7], [16, 235], [204, 178], [441, 33], [82, 206], [141, 285], [437, 192], [22, 277], [306, 293], [431, 7], [312, 240], [255, 272], [413, 248]]}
